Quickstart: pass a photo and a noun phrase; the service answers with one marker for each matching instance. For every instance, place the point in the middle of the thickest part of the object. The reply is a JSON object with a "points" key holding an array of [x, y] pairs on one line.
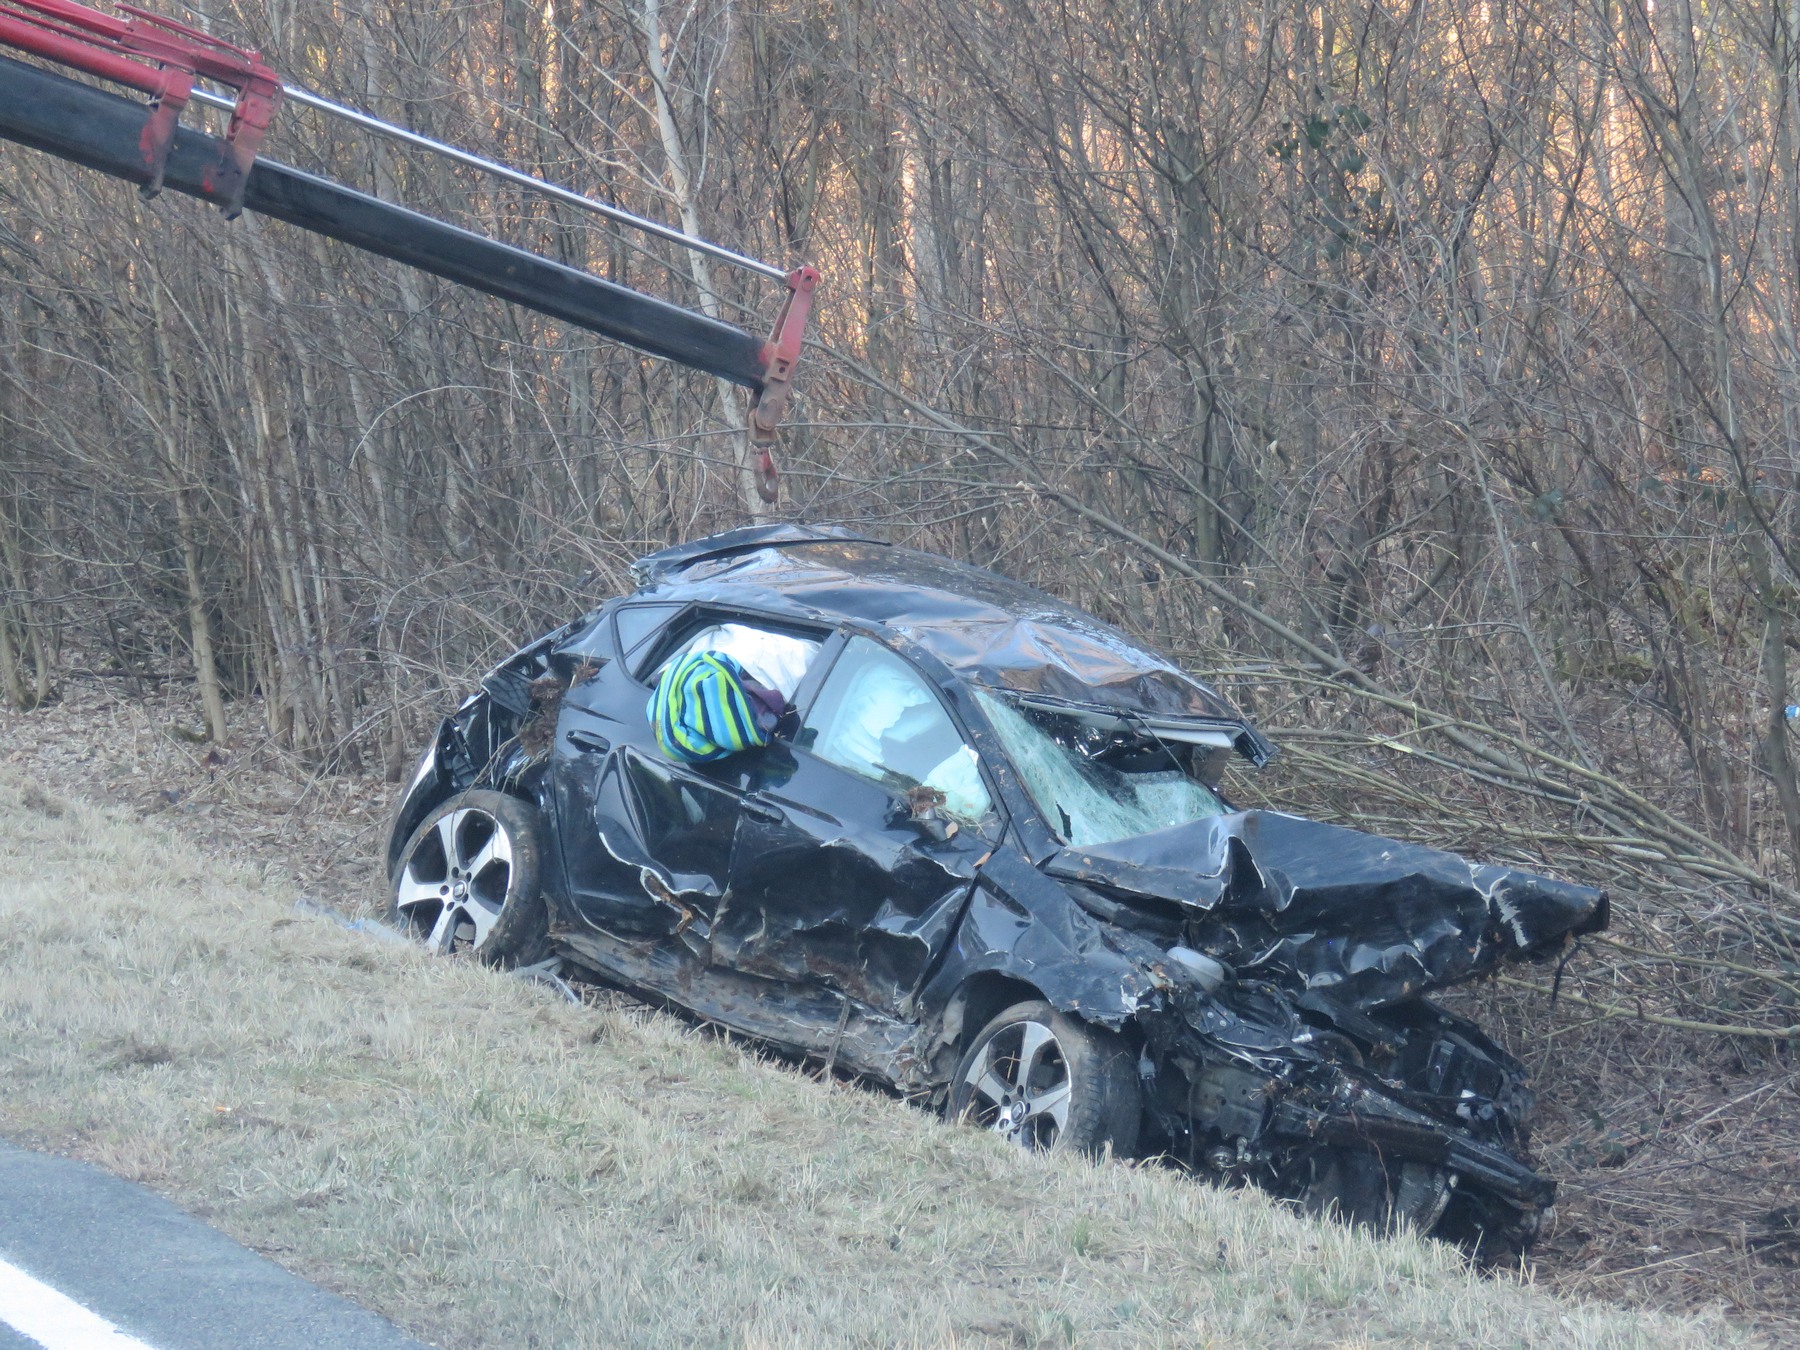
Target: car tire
{"points": [[468, 880], [1049, 1083]]}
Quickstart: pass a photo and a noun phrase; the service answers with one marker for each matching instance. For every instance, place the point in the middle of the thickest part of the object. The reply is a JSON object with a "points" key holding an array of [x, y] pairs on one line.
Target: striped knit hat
{"points": [[702, 710]]}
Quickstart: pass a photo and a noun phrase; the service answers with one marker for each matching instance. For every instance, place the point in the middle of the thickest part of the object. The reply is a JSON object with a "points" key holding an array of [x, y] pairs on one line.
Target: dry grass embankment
{"points": [[490, 1166]]}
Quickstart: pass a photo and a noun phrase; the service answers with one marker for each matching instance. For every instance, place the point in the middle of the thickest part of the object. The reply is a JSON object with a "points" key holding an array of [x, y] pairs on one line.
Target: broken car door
{"points": [[602, 719], [858, 841], [648, 843]]}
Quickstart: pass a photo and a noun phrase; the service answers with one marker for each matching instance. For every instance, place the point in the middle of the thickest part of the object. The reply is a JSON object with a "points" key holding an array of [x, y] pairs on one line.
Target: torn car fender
{"points": [[433, 781], [1024, 925]]}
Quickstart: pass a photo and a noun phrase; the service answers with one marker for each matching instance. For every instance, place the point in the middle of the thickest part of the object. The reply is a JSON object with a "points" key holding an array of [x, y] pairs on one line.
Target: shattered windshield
{"points": [[1099, 781]]}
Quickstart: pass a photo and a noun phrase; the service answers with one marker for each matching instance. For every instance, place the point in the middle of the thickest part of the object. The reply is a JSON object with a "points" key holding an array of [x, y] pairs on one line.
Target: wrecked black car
{"points": [[986, 860]]}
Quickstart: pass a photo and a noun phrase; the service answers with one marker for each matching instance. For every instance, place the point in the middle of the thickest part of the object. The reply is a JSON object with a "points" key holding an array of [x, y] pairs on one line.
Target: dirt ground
{"points": [[1676, 1153]]}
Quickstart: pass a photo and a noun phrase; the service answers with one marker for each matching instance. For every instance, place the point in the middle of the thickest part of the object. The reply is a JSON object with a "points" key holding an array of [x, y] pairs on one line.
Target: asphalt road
{"points": [[167, 1281]]}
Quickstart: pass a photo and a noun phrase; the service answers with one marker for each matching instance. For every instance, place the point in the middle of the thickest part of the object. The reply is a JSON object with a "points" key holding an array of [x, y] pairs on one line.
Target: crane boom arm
{"points": [[89, 126], [147, 145]]}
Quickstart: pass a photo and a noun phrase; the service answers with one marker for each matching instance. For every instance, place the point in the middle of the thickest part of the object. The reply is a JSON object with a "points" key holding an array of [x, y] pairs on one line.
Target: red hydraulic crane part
{"points": [[161, 58], [780, 354]]}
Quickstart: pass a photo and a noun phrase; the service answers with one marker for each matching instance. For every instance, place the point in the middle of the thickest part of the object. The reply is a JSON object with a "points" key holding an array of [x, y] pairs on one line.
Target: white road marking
{"points": [[54, 1320]]}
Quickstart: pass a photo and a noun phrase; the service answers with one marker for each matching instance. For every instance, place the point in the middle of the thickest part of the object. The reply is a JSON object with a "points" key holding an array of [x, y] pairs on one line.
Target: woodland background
{"points": [[1426, 372]]}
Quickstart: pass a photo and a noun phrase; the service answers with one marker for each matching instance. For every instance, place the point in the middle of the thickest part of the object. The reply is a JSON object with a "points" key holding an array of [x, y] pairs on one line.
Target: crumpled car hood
{"points": [[1362, 919]]}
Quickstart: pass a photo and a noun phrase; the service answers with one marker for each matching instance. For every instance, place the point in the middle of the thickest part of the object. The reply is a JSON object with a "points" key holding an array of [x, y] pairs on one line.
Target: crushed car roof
{"points": [[986, 627]]}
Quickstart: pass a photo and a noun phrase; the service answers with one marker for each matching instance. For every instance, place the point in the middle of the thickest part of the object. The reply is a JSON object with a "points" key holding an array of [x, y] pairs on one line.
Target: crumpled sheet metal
{"points": [[985, 626], [1022, 924], [1367, 920], [815, 1022]]}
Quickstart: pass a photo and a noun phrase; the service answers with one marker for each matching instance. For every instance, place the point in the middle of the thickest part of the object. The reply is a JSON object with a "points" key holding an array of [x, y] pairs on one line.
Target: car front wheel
{"points": [[468, 880], [1049, 1083]]}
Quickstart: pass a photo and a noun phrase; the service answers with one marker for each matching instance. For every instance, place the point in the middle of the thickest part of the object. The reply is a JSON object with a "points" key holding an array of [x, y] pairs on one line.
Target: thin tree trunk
{"points": [[682, 188]]}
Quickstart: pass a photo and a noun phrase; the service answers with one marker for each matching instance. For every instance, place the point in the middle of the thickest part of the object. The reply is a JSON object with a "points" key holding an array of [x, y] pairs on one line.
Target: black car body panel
{"points": [[1370, 920], [1268, 967]]}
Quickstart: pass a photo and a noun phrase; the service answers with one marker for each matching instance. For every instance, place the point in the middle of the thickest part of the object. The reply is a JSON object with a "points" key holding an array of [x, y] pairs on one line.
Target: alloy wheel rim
{"points": [[1020, 1086], [454, 882]]}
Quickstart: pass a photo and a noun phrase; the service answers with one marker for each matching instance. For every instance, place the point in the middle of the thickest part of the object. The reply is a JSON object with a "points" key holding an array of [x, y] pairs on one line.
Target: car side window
{"points": [[778, 660], [638, 624], [877, 717]]}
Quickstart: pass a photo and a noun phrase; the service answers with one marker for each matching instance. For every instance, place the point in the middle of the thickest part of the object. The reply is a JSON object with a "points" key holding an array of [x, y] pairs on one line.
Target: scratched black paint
{"points": [[780, 894]]}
